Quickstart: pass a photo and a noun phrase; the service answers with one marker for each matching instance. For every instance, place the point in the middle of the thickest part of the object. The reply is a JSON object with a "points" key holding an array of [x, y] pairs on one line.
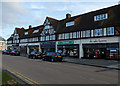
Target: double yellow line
{"points": [[21, 76]]}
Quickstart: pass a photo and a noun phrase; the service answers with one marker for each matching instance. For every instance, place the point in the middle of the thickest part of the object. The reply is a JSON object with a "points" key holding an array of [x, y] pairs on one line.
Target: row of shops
{"points": [[84, 48]]}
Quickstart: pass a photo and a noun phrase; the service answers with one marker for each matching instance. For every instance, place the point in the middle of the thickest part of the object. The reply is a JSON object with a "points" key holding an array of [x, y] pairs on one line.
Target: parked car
{"points": [[8, 51], [4, 52], [15, 52], [35, 55], [52, 56]]}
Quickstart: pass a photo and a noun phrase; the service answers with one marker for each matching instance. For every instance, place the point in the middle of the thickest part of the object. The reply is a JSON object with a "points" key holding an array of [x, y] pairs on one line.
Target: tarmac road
{"points": [[43, 72]]}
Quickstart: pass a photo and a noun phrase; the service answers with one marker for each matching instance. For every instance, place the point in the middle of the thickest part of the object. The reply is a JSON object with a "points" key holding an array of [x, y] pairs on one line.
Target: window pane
{"points": [[74, 34], [87, 33]]}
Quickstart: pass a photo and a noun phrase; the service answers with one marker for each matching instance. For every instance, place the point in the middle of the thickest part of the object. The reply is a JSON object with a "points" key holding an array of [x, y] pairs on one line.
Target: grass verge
{"points": [[8, 80]]}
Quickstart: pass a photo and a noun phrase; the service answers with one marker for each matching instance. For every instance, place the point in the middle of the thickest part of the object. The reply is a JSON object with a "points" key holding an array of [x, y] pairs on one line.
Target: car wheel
{"points": [[52, 60], [33, 57], [43, 59]]}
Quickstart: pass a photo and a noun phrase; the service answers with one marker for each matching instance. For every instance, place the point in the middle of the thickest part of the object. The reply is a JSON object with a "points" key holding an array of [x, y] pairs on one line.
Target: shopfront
{"points": [[15, 46], [103, 48], [33, 47], [68, 48], [9, 47], [47, 47], [23, 49]]}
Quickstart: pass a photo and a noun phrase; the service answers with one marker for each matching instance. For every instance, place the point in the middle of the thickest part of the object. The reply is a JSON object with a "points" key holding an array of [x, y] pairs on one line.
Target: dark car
{"points": [[35, 55], [8, 51], [52, 56], [15, 52], [4, 52]]}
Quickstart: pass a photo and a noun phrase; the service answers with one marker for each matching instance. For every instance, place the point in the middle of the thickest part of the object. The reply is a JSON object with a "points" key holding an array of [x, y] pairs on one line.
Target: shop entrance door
{"points": [[103, 53]]}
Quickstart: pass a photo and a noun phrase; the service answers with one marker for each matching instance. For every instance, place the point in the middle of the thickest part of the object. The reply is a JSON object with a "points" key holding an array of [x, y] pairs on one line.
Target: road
{"points": [[43, 72]]}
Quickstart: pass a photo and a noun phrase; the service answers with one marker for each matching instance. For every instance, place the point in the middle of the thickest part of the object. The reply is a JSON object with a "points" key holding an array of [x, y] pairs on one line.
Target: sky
{"points": [[19, 13]]}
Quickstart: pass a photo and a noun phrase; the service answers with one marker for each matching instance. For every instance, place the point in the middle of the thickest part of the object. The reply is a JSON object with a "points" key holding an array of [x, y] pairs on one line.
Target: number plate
{"points": [[59, 56]]}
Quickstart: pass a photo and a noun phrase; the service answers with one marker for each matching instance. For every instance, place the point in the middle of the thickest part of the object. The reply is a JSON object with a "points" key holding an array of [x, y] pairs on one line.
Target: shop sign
{"points": [[76, 41], [98, 40], [66, 42], [9, 45], [33, 43], [48, 45], [23, 44]]}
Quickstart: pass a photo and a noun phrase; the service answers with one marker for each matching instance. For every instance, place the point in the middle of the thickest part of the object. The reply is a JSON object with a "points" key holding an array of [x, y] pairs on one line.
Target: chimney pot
{"points": [[30, 26], [68, 15]]}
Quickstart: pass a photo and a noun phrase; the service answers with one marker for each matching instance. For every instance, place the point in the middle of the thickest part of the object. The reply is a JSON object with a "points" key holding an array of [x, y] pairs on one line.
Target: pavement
{"points": [[36, 71], [113, 64]]}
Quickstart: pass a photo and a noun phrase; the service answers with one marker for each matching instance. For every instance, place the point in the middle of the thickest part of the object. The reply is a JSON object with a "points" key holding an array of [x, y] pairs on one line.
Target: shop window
{"points": [[87, 34], [110, 31], [74, 34], [67, 35], [98, 32], [100, 17]]}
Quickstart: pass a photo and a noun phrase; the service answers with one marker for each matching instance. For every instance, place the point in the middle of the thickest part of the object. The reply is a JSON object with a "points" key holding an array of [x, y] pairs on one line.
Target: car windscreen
{"points": [[38, 52], [57, 54], [32, 52]]}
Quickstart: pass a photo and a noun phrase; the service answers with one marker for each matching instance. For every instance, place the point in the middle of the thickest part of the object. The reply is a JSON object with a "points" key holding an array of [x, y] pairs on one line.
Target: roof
{"points": [[19, 31], [86, 21], [54, 22], [10, 39], [30, 32], [2, 39]]}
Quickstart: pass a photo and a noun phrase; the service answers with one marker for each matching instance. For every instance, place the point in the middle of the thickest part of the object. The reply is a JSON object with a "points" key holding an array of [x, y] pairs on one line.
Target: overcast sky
{"points": [[22, 14]]}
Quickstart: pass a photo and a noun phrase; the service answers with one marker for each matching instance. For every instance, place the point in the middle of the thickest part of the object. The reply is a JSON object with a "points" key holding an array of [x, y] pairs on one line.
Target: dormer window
{"points": [[26, 33], [70, 23], [35, 31], [101, 17]]}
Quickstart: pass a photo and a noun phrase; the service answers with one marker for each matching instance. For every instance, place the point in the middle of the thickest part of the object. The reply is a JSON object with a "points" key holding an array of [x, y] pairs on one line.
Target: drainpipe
{"points": [[39, 47], [80, 50], [56, 46]]}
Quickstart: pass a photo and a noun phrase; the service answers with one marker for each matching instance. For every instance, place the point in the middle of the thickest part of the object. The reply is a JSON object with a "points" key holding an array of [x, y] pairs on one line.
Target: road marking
{"points": [[30, 81]]}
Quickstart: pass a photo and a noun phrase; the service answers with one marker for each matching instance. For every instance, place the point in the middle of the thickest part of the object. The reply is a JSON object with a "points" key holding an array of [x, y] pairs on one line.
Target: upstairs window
{"points": [[47, 38], [26, 33], [69, 23], [98, 32], [87, 34], [74, 34], [60, 36], [101, 17], [67, 35], [35, 31], [47, 27], [110, 31]]}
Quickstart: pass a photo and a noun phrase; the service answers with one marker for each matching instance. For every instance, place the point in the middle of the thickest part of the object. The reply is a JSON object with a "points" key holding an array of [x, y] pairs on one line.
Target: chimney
{"points": [[30, 26], [68, 15]]}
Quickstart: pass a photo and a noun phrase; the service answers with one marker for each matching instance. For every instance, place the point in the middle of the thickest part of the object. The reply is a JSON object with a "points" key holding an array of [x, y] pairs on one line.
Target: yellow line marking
{"points": [[22, 76]]}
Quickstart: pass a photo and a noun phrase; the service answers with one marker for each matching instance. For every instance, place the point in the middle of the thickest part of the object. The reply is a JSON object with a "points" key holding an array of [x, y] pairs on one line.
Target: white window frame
{"points": [[26, 33], [110, 31], [35, 31], [70, 23], [101, 17]]}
